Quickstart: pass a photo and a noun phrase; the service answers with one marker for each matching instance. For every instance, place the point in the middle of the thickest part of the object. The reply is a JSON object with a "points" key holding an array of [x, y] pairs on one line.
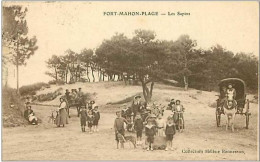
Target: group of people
{"points": [[89, 113], [152, 124], [91, 117], [74, 95]]}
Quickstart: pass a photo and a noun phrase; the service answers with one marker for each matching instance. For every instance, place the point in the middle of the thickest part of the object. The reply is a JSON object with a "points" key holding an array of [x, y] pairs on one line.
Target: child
{"points": [[83, 118], [91, 118], [150, 132], [33, 119], [119, 127], [91, 105], [138, 126], [160, 125], [169, 132], [96, 115]]}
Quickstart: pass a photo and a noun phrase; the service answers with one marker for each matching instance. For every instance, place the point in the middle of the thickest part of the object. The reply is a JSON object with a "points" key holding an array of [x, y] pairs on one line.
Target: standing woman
{"points": [[62, 117]]}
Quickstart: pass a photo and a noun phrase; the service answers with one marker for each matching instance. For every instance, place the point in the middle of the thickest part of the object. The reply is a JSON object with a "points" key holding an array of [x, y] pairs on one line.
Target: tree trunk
{"points": [[56, 74], [186, 85], [88, 75], [151, 89], [98, 73], [17, 76], [66, 76], [146, 92], [92, 71]]}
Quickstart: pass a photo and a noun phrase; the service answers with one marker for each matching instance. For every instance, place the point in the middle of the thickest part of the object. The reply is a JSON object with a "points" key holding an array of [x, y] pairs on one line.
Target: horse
{"points": [[78, 103], [230, 109]]}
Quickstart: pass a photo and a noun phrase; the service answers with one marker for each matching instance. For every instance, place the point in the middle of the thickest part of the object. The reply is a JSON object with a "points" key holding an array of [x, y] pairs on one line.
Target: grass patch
{"points": [[49, 96]]}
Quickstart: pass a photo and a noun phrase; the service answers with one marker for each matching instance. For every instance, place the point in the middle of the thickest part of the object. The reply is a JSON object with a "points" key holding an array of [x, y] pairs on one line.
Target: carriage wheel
{"points": [[247, 120], [218, 117]]}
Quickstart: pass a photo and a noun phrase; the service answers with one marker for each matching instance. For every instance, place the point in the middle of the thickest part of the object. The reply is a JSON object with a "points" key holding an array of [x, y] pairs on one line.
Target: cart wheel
{"points": [[247, 120], [218, 117]]}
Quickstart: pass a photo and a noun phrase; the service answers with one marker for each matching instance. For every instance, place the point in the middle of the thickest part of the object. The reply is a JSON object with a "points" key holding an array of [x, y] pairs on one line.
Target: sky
{"points": [[64, 25]]}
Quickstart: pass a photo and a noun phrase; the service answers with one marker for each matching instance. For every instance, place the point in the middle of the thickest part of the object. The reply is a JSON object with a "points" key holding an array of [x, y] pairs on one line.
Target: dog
{"points": [[124, 139], [52, 118]]}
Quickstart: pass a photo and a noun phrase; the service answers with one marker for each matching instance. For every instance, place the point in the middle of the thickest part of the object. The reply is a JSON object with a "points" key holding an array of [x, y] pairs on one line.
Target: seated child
{"points": [[33, 119]]}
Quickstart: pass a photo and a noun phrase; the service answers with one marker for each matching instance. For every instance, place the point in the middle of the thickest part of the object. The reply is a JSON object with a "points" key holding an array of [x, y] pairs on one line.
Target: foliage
{"points": [[31, 89], [147, 60], [19, 47]]}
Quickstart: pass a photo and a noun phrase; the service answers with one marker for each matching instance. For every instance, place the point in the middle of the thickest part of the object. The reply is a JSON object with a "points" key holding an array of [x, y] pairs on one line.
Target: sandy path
{"points": [[46, 142]]}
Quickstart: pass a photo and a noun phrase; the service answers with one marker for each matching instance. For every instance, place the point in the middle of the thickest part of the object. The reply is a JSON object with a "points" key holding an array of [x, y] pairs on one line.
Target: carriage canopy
{"points": [[237, 83]]}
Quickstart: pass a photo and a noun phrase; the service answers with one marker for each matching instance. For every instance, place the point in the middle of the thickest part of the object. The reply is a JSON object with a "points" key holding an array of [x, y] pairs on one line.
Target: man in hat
{"points": [[136, 105], [67, 94], [231, 92], [80, 93]]}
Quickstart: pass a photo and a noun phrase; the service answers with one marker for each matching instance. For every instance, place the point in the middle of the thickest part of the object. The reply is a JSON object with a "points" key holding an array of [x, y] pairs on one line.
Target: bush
{"points": [[59, 82], [12, 116], [31, 89], [51, 82]]}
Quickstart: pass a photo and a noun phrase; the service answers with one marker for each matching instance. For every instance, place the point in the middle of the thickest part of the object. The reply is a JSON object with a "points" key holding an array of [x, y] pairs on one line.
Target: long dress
{"points": [[62, 117]]}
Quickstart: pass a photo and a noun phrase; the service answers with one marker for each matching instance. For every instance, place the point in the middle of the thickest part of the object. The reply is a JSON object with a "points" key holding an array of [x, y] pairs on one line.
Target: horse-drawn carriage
{"points": [[242, 104], [78, 103]]}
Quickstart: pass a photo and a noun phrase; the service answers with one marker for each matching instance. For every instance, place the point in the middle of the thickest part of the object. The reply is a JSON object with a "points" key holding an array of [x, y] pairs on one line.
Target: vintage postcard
{"points": [[130, 80]]}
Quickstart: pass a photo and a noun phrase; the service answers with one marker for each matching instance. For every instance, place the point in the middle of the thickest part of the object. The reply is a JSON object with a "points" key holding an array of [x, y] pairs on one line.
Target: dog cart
{"points": [[242, 103]]}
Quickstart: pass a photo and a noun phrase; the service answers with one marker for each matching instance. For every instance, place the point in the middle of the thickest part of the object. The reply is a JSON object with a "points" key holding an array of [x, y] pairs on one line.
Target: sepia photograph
{"points": [[130, 80]]}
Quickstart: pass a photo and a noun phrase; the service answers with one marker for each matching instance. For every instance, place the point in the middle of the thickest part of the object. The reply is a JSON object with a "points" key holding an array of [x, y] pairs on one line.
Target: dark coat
{"points": [[27, 113], [150, 131], [96, 114], [138, 124], [170, 129]]}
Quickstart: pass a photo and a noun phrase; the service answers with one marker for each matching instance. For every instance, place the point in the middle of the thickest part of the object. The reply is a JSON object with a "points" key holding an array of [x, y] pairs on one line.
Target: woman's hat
{"points": [[177, 101], [92, 102], [138, 96]]}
